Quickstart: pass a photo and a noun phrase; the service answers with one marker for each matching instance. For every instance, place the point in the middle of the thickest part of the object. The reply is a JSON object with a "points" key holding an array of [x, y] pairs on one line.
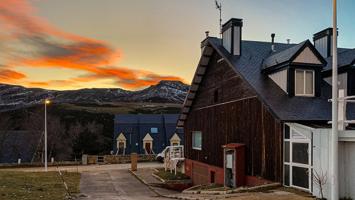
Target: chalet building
{"points": [[259, 111], [145, 133]]}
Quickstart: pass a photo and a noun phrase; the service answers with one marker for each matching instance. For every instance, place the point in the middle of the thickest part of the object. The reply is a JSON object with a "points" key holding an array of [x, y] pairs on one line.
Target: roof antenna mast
{"points": [[219, 7]]}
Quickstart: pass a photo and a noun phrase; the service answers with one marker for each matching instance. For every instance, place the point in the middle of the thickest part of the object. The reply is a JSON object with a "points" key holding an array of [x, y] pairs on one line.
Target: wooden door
{"points": [[148, 148], [121, 148]]}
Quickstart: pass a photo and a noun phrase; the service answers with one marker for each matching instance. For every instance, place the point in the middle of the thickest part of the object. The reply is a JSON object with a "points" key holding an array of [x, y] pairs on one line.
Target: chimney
{"points": [[272, 41], [323, 42], [207, 34], [232, 36]]}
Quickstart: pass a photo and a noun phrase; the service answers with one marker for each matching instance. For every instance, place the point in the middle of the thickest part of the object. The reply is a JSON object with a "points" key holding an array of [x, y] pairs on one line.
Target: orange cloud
{"points": [[128, 78], [53, 83], [47, 46], [10, 76]]}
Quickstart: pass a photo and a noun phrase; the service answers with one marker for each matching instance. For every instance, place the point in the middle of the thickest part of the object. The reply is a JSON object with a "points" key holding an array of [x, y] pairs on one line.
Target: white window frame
{"points": [[293, 164], [304, 83], [193, 139]]}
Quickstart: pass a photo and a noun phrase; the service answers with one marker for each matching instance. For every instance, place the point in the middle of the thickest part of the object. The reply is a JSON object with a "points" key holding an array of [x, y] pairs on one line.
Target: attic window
{"points": [[304, 82]]}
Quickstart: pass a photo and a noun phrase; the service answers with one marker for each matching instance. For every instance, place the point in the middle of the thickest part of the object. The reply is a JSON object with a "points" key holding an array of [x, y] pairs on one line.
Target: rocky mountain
{"points": [[14, 97]]}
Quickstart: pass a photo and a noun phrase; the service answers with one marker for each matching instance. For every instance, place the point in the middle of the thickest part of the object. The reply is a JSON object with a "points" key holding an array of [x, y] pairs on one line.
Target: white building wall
{"points": [[347, 169], [227, 39], [321, 139], [236, 45], [321, 148], [280, 78], [342, 79]]}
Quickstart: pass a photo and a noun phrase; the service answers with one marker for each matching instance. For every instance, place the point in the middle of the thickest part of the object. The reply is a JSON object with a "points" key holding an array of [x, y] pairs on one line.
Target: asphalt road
{"points": [[114, 185]]}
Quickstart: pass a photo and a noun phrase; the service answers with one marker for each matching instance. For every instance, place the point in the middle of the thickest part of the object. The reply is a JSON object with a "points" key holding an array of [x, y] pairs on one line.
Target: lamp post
{"points": [[46, 102], [334, 188]]}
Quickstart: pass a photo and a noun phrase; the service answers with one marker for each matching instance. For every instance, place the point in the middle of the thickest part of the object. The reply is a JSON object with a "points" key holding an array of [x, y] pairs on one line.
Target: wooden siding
{"points": [[280, 78], [220, 77], [307, 56], [237, 117]]}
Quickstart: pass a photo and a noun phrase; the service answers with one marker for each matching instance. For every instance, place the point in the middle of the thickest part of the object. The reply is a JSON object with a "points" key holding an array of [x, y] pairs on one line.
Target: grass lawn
{"points": [[36, 185], [166, 175]]}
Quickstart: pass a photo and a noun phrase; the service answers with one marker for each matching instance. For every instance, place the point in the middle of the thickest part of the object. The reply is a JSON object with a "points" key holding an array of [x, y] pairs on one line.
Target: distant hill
{"points": [[16, 97]]}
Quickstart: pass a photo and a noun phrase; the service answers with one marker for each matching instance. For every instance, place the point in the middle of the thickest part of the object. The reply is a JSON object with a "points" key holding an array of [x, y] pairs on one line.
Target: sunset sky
{"points": [[71, 44]]}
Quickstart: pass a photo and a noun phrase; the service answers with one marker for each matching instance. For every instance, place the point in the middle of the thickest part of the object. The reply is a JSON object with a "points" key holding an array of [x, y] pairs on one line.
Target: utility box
{"points": [[84, 159], [234, 165], [134, 160]]}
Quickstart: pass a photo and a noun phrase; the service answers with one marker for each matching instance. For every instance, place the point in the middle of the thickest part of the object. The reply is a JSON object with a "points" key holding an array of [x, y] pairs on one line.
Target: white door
{"points": [[297, 159], [229, 168]]}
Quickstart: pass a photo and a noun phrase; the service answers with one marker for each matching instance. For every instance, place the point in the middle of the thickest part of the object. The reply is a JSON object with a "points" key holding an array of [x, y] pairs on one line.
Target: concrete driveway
{"points": [[113, 185]]}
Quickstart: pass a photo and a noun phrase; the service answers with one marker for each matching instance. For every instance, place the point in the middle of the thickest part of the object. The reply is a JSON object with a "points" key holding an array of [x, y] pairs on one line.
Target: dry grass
{"points": [[166, 175], [36, 185]]}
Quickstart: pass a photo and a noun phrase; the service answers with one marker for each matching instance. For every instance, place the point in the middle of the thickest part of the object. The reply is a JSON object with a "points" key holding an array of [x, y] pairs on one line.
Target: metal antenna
{"points": [[219, 7]]}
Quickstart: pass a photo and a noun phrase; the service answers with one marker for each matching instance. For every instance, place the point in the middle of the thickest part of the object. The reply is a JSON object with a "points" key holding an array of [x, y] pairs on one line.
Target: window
{"points": [[153, 130], [197, 140], [304, 82]]}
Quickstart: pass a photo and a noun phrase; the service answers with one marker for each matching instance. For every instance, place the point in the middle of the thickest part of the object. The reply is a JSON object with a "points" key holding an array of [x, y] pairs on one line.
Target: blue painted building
{"points": [[18, 144], [145, 133]]}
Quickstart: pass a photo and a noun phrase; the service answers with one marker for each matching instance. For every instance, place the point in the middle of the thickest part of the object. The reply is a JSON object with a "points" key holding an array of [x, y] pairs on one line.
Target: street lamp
{"points": [[334, 189], [46, 102]]}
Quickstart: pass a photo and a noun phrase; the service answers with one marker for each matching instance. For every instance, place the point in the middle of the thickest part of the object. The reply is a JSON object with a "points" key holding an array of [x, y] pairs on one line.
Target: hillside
{"points": [[15, 97]]}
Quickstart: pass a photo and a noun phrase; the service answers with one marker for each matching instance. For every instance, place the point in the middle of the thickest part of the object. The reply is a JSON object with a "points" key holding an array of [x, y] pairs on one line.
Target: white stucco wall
{"points": [[321, 157], [280, 78], [321, 148]]}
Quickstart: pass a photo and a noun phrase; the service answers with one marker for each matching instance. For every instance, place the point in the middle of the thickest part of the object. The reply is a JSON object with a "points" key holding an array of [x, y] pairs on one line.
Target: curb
{"points": [[158, 178], [145, 183], [161, 195]]}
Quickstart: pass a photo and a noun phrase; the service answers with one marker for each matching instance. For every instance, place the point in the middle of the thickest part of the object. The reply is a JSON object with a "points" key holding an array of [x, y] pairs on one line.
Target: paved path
{"points": [[114, 185]]}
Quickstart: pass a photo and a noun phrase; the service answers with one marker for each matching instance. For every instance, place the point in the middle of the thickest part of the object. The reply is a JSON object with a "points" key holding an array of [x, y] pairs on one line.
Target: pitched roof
{"points": [[250, 64], [147, 137], [175, 137], [282, 56], [121, 137], [286, 108], [346, 57]]}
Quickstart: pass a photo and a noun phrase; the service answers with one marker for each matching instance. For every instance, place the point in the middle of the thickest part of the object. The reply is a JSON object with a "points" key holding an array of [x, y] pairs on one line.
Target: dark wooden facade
{"points": [[236, 115]]}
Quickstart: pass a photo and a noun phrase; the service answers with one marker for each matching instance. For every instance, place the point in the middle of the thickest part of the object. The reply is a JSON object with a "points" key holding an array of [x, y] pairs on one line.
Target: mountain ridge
{"points": [[15, 96]]}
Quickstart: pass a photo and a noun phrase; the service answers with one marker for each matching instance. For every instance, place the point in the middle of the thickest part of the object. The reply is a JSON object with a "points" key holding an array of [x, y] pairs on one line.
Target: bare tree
{"points": [[320, 179]]}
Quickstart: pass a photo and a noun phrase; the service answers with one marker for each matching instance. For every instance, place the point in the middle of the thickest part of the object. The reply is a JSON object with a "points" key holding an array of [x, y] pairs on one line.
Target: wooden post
{"points": [[134, 160]]}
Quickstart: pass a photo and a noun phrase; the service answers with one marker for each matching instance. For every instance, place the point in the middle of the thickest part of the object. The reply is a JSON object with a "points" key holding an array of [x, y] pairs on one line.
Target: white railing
{"points": [[342, 103], [172, 156]]}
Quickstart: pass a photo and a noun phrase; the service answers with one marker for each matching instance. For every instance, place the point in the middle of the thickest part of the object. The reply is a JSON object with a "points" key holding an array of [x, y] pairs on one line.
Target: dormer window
{"points": [[304, 82]]}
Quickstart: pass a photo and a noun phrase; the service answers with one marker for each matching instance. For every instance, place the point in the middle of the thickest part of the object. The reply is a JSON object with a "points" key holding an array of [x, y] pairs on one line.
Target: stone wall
{"points": [[116, 159]]}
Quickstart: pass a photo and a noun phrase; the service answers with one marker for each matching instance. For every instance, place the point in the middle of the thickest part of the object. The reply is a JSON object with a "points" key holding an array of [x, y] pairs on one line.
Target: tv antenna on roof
{"points": [[219, 7]]}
